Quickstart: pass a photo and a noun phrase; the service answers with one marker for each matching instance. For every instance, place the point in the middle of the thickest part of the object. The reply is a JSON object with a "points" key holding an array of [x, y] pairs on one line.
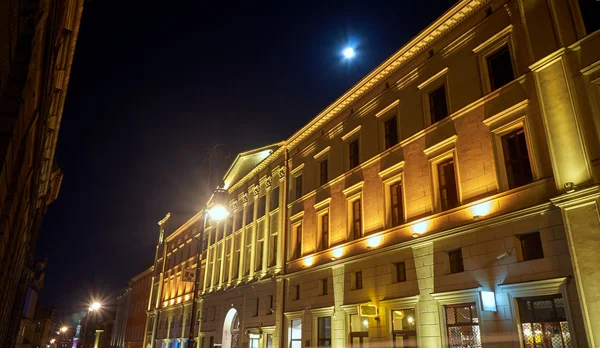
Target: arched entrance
{"points": [[231, 330]]}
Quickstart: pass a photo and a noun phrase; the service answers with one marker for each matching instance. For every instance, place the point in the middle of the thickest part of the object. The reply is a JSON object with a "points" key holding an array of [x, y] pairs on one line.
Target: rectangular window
{"points": [[500, 68], [437, 104], [298, 182], [400, 272], [236, 255], [456, 261], [324, 332], [269, 341], [358, 280], [262, 206], [589, 14], [248, 253], [324, 231], [297, 292], [229, 226], [391, 132], [356, 220], [250, 214], [271, 308], [257, 307], [239, 215], [447, 185], [323, 175], [516, 159], [396, 204], [273, 253], [295, 333], [531, 246], [211, 341], [298, 249], [324, 286], [462, 322], [353, 153], [404, 332], [259, 256], [275, 198], [543, 322]]}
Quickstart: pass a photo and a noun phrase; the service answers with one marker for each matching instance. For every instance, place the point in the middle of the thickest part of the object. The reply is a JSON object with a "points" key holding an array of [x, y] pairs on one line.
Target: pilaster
{"points": [[428, 323], [581, 215], [338, 321]]}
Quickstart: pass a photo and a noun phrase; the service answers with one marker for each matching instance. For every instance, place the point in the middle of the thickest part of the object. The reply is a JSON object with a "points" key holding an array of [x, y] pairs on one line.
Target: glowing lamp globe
{"points": [[95, 306], [218, 212]]}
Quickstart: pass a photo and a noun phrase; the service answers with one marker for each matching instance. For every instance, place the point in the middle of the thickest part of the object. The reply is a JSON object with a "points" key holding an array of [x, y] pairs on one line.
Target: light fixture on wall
{"points": [[570, 187], [374, 241], [337, 252], [308, 261], [480, 210], [420, 228]]}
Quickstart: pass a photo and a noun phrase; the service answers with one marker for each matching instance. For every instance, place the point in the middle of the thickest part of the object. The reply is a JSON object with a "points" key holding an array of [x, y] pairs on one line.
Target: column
{"points": [[279, 310], [338, 321], [428, 321], [581, 215]]}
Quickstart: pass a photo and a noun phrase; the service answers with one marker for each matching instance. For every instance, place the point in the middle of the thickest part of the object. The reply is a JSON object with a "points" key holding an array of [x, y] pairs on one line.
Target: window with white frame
{"points": [[496, 60], [297, 181], [435, 97], [295, 333], [355, 212], [352, 146], [393, 195], [324, 332]]}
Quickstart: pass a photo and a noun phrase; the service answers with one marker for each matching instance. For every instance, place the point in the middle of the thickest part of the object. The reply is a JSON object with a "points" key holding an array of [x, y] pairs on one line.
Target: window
{"points": [[447, 185], [400, 272], [275, 198], [404, 328], [396, 204], [516, 159], [324, 231], [356, 220], [262, 206], [250, 214], [296, 292], [257, 306], [543, 322], [259, 255], [253, 343], [298, 248], [391, 132], [323, 174], [531, 246], [298, 186], [211, 342], [358, 280], [295, 333], [324, 332], [589, 13], [239, 215], [229, 226], [247, 253], [462, 322], [236, 255], [456, 261], [271, 308], [500, 68], [353, 154], [437, 104], [269, 341], [324, 286], [273, 251]]}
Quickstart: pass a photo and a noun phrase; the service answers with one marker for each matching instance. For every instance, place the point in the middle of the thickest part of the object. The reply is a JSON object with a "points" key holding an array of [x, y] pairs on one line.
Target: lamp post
{"points": [[94, 307], [217, 211]]}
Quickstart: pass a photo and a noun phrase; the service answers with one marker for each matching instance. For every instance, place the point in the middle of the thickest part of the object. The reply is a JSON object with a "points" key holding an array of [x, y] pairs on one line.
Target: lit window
{"points": [[295, 333], [437, 104], [404, 328], [516, 159], [324, 332], [500, 68], [543, 322], [462, 322]]}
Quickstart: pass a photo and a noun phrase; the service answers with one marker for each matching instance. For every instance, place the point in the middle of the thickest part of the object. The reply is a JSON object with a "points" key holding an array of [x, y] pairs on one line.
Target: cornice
{"points": [[416, 46], [577, 198]]}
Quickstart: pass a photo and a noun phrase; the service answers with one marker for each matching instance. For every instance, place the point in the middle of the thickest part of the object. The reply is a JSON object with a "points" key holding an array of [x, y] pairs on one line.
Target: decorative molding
{"points": [[353, 189], [281, 172], [351, 133], [534, 288], [296, 170], [299, 215], [458, 296], [387, 108], [322, 153], [256, 190], [269, 182], [394, 169], [294, 315], [245, 198], [400, 303], [433, 78], [442, 144], [577, 198], [322, 204], [498, 36], [518, 107], [547, 60], [322, 312]]}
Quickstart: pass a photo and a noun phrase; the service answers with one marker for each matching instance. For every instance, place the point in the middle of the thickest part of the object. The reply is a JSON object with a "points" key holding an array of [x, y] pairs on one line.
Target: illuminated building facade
{"points": [[138, 305], [450, 198]]}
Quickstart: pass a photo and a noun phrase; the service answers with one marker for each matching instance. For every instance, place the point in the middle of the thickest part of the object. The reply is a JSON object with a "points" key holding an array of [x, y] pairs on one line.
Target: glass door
{"points": [[404, 332]]}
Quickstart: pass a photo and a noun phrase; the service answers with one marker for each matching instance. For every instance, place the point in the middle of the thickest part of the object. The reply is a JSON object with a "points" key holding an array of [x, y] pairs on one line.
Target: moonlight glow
{"points": [[348, 52]]}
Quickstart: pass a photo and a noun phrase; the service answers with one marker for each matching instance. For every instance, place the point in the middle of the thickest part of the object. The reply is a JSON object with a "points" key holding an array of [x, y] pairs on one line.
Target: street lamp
{"points": [[94, 307], [64, 329]]}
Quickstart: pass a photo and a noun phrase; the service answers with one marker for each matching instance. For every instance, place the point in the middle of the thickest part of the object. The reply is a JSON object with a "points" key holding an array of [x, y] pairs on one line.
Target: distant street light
{"points": [[64, 329], [95, 306], [348, 53]]}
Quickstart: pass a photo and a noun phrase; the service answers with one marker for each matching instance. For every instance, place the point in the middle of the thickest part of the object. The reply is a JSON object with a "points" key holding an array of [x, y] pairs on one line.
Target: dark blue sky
{"points": [[155, 83]]}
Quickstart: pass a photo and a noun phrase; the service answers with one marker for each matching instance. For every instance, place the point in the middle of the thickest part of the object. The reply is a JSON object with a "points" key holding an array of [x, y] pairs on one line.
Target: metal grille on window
{"points": [[462, 322], [324, 331], [544, 322]]}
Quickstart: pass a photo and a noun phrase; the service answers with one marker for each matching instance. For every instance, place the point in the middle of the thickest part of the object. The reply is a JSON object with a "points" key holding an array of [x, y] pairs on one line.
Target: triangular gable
{"points": [[245, 162]]}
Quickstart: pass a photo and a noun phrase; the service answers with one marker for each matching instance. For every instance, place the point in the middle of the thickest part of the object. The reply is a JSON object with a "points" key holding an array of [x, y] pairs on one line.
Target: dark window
{"points": [[273, 248], [229, 227], [358, 279], [456, 261], [462, 322], [259, 256], [298, 250], [211, 341], [298, 186], [437, 104], [262, 206], [323, 175], [239, 215], [400, 272], [271, 308], [500, 68], [297, 292], [275, 198], [324, 332], [516, 159], [257, 306], [391, 132], [531, 246], [236, 263], [324, 231], [447, 185], [356, 220], [353, 154], [543, 320], [324, 286], [590, 12], [250, 214], [396, 204]]}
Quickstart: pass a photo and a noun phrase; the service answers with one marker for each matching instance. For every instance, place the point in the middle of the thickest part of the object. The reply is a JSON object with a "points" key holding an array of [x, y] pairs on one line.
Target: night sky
{"points": [[155, 83]]}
